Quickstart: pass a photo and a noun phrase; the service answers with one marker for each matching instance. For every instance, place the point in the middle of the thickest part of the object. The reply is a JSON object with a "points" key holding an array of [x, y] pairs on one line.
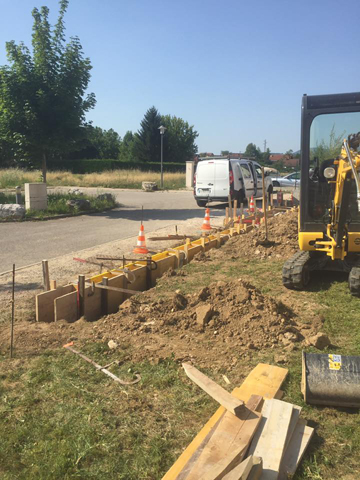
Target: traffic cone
{"points": [[206, 223], [141, 244], [252, 205]]}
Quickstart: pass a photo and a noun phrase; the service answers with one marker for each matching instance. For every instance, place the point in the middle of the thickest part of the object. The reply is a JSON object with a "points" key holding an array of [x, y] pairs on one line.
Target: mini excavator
{"points": [[329, 215]]}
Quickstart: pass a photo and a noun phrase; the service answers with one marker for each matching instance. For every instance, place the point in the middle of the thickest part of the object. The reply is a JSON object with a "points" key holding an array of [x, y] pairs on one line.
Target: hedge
{"points": [[96, 165]]}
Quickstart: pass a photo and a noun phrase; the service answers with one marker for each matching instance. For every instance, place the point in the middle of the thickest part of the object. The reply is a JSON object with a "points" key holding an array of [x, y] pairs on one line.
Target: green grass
{"points": [[57, 205], [62, 419]]}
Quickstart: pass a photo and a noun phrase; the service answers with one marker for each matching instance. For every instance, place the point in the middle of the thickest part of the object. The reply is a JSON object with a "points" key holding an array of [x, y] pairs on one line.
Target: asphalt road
{"points": [[25, 243]]}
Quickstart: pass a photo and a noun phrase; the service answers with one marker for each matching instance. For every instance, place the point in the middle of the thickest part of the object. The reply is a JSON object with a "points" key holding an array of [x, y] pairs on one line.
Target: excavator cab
{"points": [[329, 216]]}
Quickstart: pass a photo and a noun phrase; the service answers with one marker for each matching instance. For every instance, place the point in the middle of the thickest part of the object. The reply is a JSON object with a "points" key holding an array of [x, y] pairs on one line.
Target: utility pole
{"points": [[264, 146]]}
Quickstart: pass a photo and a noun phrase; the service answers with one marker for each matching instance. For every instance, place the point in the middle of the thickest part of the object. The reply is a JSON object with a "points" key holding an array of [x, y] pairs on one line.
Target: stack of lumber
{"points": [[253, 435]]}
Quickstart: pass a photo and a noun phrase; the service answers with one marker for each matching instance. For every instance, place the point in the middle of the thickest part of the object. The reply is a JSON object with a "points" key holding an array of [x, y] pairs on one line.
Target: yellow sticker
{"points": [[334, 362]]}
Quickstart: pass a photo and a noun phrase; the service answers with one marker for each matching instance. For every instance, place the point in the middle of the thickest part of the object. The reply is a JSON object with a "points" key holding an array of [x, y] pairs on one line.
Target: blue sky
{"points": [[236, 70]]}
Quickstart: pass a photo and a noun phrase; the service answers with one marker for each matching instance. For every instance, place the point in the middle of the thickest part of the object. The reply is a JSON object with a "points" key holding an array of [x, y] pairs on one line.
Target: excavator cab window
{"points": [[327, 132]]}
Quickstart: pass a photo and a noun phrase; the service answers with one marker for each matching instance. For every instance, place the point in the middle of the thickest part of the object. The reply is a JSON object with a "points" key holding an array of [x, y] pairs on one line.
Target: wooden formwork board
{"points": [[66, 308], [44, 303], [62, 302]]}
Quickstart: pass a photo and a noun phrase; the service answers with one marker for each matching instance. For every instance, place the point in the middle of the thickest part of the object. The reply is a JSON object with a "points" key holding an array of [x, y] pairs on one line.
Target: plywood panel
{"points": [[162, 267], [92, 304], [193, 251], [116, 298], [66, 307], [45, 303]]}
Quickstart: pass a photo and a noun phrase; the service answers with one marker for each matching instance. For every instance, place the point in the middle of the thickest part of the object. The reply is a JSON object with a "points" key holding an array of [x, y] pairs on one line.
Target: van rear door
{"points": [[222, 181], [205, 178]]}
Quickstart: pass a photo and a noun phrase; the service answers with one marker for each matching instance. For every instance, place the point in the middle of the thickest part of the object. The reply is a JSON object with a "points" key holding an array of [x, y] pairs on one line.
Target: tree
{"points": [[127, 147], [179, 141], [224, 153], [42, 95], [253, 151], [147, 139]]}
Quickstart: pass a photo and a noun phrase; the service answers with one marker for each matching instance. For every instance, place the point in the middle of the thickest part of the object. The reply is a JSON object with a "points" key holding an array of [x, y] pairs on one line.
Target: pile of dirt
{"points": [[282, 236]]}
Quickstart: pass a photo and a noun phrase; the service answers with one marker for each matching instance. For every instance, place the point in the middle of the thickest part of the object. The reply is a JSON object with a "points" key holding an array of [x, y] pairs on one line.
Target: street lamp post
{"points": [[162, 131]]}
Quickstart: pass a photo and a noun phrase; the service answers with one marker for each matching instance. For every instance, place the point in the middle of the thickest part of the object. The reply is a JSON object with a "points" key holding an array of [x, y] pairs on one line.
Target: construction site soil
{"points": [[214, 325]]}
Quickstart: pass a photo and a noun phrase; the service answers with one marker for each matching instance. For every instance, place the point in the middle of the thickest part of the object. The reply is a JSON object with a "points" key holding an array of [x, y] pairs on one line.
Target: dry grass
{"points": [[112, 179]]}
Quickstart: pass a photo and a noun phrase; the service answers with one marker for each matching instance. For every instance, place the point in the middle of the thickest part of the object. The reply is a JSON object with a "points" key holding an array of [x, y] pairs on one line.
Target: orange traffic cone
{"points": [[252, 205], [206, 223], [141, 244]]}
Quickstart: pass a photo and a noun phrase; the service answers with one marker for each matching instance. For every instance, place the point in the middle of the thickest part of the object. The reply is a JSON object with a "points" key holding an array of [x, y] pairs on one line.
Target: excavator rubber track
{"points": [[296, 271]]}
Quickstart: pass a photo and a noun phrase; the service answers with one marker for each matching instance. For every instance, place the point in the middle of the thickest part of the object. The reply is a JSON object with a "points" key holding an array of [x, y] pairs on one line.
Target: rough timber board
{"points": [[140, 282], [66, 307], [269, 441], [250, 468], [263, 379], [295, 450], [226, 447], [45, 303]]}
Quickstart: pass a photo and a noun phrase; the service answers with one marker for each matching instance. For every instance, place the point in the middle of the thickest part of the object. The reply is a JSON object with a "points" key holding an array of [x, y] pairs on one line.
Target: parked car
{"points": [[290, 180], [217, 178]]}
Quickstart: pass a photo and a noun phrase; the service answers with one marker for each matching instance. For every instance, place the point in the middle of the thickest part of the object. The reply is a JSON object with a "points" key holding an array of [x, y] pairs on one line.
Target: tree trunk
{"points": [[44, 166]]}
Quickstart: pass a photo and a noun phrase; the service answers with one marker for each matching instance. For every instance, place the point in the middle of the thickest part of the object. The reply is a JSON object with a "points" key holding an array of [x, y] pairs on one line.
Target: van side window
{"points": [[258, 171], [245, 171]]}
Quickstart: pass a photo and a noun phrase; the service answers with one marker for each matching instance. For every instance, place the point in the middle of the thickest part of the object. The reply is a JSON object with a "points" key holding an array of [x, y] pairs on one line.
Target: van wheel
{"points": [[201, 203]]}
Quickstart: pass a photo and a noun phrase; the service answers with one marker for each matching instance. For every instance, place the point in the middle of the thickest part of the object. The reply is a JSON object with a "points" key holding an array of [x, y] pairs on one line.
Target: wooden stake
{"points": [[226, 215], [46, 278], [52, 284], [264, 202], [104, 297], [230, 207], [235, 210], [81, 295], [12, 314], [241, 210]]}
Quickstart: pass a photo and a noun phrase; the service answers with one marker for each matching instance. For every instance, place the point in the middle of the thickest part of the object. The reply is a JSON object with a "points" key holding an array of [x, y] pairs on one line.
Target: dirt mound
{"points": [[282, 236]]}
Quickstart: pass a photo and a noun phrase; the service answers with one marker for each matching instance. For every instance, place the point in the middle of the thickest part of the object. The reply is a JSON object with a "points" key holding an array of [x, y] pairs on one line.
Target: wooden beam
{"points": [[232, 404]]}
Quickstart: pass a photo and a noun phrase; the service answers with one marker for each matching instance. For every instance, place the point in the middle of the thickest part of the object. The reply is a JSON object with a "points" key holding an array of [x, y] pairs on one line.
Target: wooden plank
{"points": [[52, 284], [232, 404], [251, 467], [44, 303], [92, 307], [163, 266], [262, 380], [269, 441], [116, 298], [227, 446], [66, 307], [293, 422], [296, 449]]}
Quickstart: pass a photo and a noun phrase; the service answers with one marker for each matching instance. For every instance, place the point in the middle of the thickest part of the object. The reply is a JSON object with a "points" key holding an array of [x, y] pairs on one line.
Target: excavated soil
{"points": [[215, 326]]}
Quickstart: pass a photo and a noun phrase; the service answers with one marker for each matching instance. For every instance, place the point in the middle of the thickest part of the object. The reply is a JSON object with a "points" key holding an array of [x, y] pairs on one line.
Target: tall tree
{"points": [[127, 147], [179, 139], [253, 151], [42, 95], [147, 139]]}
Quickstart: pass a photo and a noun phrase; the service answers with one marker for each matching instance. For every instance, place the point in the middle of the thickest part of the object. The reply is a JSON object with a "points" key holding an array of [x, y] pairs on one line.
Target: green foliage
{"points": [[253, 151], [42, 93], [126, 153], [224, 153], [147, 139], [179, 141], [100, 144]]}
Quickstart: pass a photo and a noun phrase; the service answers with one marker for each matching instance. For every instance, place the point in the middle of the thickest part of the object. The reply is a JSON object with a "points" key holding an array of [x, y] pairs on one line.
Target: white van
{"points": [[217, 178]]}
